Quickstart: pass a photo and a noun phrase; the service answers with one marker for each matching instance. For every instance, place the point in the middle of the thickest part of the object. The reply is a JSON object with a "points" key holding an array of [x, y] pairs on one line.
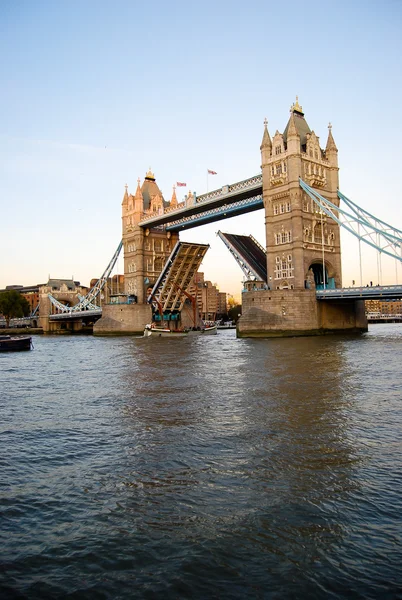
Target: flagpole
{"points": [[207, 180]]}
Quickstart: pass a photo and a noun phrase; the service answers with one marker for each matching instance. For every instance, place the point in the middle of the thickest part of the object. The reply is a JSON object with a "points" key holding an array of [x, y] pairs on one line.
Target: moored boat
{"points": [[10, 343], [151, 331], [207, 330]]}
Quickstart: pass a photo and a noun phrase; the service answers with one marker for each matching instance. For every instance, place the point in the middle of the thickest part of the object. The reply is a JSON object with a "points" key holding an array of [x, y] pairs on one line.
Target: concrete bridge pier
{"points": [[123, 319], [291, 313], [48, 326]]}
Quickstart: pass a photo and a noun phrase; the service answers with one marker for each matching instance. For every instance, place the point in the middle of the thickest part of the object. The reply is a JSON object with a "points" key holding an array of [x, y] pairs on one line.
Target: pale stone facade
{"points": [[145, 254], [285, 313], [123, 319], [299, 238], [302, 243], [145, 251]]}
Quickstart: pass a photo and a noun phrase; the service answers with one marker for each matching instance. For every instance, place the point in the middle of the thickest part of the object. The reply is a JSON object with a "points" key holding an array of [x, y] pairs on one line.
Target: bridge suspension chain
{"points": [[369, 218], [59, 305], [381, 236], [86, 302]]}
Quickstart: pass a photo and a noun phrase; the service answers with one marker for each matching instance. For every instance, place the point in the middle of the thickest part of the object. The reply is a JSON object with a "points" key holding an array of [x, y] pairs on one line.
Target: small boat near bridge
{"points": [[155, 331], [152, 331], [207, 330], [10, 343]]}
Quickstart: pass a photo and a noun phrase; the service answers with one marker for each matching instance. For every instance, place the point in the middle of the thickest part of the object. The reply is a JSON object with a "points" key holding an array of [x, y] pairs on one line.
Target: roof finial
{"points": [[330, 126], [296, 106], [126, 186], [265, 121], [138, 181]]}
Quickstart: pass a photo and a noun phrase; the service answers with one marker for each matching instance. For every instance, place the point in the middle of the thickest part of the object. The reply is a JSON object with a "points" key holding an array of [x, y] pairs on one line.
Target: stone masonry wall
{"points": [[123, 319], [285, 313]]}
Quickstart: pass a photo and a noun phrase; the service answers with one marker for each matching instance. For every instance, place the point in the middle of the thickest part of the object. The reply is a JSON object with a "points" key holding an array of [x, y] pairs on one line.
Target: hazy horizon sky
{"points": [[95, 93]]}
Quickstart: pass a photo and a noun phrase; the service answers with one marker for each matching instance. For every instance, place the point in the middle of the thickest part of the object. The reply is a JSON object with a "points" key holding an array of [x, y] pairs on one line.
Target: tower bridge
{"points": [[295, 280]]}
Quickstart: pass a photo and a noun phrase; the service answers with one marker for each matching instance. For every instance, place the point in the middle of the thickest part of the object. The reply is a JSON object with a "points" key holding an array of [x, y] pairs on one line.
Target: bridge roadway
{"points": [[228, 201], [78, 314], [378, 292]]}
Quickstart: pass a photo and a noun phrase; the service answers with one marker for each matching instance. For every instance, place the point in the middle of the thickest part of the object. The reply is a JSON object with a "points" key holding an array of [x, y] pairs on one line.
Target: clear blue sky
{"points": [[94, 93]]}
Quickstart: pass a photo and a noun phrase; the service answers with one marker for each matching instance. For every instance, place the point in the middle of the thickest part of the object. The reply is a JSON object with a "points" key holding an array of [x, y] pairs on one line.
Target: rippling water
{"points": [[202, 468]]}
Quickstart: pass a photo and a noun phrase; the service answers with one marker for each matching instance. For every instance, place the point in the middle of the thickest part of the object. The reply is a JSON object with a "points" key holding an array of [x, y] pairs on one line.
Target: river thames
{"points": [[209, 467]]}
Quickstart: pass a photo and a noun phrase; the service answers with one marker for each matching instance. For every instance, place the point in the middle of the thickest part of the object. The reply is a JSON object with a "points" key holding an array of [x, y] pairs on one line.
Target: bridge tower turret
{"points": [[266, 145], [145, 250], [302, 243], [331, 154]]}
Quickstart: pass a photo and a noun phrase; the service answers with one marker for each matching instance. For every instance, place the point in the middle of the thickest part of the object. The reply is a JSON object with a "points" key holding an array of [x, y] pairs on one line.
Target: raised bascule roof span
{"points": [[248, 253], [170, 290]]}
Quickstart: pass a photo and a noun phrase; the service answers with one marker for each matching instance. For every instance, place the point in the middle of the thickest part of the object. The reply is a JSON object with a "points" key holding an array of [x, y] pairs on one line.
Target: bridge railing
{"points": [[226, 191], [361, 292], [246, 184]]}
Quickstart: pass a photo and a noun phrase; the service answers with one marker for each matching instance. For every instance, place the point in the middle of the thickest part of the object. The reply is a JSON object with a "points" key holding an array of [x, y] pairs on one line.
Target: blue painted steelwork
{"points": [[77, 314], [386, 292], [85, 303], [35, 311], [246, 195], [329, 285], [369, 218], [224, 212], [375, 236], [248, 253]]}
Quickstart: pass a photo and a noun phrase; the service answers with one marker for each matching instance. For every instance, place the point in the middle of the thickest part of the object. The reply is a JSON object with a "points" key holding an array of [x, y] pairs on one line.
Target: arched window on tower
{"points": [[318, 233]]}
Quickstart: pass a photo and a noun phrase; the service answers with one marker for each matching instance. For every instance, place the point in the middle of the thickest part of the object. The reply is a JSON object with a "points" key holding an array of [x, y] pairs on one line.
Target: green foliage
{"points": [[234, 313], [13, 305]]}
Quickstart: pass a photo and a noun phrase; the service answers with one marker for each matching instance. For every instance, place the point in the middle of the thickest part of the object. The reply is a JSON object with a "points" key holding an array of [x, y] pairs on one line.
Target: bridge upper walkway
{"points": [[228, 201]]}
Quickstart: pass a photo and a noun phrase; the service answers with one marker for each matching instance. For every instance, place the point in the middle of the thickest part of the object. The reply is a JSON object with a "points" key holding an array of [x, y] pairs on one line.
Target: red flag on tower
{"points": [[212, 172], [181, 184]]}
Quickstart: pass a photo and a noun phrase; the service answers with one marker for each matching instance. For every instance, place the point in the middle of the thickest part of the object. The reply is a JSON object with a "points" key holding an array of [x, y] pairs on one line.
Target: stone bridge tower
{"points": [[302, 244], [145, 250], [300, 238], [145, 253]]}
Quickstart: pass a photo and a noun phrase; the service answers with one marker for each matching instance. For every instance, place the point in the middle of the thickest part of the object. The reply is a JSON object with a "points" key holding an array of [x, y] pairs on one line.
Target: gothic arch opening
{"points": [[323, 275]]}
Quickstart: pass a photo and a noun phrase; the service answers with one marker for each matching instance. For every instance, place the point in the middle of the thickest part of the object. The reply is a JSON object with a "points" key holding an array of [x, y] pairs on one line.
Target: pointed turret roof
{"points": [[330, 141], [302, 128], [266, 140], [173, 202], [292, 131], [138, 193], [149, 189], [125, 197]]}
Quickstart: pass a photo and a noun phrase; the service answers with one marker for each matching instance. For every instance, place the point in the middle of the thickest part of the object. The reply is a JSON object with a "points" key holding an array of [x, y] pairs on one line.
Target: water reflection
{"points": [[214, 468], [270, 429]]}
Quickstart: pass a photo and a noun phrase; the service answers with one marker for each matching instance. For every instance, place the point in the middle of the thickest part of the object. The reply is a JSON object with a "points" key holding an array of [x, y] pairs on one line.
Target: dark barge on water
{"points": [[10, 343]]}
